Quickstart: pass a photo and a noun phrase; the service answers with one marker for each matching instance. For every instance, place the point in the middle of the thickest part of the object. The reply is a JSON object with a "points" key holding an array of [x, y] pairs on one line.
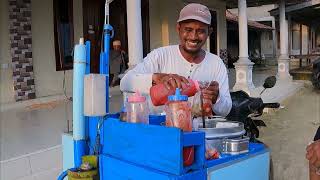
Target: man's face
{"points": [[193, 35], [116, 47]]}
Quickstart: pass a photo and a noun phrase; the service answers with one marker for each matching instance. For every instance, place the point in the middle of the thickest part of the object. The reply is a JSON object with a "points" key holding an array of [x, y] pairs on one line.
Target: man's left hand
{"points": [[212, 92]]}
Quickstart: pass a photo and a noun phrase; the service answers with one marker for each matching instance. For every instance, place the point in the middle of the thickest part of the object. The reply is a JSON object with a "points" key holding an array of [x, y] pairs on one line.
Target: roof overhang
{"points": [[305, 12], [253, 3], [252, 24]]}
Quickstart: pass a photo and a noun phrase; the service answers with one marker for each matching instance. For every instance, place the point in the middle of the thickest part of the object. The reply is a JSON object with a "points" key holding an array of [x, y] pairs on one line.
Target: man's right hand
{"points": [[171, 81]]}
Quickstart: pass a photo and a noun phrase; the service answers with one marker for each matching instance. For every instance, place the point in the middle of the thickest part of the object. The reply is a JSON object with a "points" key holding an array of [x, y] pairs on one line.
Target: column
{"points": [[283, 59], [134, 22], [243, 66], [274, 38]]}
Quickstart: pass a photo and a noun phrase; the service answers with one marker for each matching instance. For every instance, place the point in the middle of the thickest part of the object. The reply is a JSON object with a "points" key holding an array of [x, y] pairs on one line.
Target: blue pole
{"points": [[88, 44], [79, 68], [104, 58]]}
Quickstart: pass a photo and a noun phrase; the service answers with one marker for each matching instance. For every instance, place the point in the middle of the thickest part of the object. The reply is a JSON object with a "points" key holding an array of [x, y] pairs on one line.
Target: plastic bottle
{"points": [[137, 109], [178, 114], [159, 93]]}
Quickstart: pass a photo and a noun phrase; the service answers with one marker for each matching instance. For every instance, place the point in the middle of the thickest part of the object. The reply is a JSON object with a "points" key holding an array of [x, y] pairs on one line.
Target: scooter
{"points": [[245, 108]]}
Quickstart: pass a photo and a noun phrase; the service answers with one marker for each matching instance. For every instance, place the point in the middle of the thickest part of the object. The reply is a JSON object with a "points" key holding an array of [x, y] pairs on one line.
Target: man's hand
{"points": [[212, 92], [313, 154], [171, 81]]}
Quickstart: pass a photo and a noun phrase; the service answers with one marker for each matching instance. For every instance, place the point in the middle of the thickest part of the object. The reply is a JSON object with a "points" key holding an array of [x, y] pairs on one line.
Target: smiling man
{"points": [[174, 65]]}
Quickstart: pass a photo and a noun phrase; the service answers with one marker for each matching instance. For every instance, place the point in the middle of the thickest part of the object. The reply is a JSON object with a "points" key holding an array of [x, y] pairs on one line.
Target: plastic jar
{"points": [[137, 109], [178, 114]]}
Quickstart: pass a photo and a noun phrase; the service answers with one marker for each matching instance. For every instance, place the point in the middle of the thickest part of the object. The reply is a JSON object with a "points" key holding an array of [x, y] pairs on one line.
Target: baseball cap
{"points": [[195, 11]]}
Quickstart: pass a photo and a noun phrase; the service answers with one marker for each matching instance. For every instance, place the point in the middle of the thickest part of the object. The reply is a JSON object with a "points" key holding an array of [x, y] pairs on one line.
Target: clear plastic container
{"points": [[178, 114], [137, 109]]}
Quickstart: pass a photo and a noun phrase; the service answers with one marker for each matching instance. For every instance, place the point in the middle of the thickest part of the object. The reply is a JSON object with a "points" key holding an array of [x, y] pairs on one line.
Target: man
{"points": [[118, 60], [173, 65], [313, 155]]}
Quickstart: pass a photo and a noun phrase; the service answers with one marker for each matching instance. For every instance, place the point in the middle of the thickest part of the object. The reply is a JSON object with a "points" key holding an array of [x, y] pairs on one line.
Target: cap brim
{"points": [[194, 18]]}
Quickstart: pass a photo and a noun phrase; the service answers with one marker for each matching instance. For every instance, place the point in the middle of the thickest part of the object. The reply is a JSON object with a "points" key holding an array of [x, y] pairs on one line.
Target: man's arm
{"points": [[140, 77], [223, 104]]}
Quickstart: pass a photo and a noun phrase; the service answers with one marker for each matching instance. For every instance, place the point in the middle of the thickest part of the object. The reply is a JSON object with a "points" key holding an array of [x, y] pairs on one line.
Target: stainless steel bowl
{"points": [[217, 129], [225, 136]]}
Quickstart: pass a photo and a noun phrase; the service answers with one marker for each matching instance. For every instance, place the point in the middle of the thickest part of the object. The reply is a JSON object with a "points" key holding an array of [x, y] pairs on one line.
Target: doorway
{"points": [[213, 36], [93, 19]]}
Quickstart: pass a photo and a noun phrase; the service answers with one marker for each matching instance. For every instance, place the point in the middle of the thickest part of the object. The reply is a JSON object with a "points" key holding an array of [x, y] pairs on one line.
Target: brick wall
{"points": [[21, 49]]}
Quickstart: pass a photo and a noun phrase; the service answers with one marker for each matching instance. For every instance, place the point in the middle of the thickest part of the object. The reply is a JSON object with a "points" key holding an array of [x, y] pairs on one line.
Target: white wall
{"points": [[258, 13], [261, 13], [48, 81], [305, 39], [163, 17], [295, 43], [6, 81], [266, 44]]}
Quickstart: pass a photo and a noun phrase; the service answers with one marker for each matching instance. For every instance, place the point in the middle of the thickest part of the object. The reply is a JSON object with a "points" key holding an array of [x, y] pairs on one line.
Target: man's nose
{"points": [[193, 35]]}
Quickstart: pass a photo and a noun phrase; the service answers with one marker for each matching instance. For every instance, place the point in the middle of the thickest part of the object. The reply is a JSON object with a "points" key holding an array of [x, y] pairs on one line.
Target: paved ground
{"points": [[288, 132]]}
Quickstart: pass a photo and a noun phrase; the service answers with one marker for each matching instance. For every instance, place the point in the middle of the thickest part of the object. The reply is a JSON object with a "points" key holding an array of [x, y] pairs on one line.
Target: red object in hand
{"points": [[207, 107], [159, 93]]}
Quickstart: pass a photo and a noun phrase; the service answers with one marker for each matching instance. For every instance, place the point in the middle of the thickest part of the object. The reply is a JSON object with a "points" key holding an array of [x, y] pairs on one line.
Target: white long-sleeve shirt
{"points": [[170, 60]]}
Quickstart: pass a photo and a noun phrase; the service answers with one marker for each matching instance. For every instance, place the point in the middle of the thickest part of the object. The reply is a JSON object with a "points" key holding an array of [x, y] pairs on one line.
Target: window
{"points": [[63, 34]]}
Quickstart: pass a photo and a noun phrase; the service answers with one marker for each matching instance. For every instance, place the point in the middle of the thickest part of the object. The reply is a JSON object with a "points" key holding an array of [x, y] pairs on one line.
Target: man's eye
{"points": [[201, 31], [188, 30]]}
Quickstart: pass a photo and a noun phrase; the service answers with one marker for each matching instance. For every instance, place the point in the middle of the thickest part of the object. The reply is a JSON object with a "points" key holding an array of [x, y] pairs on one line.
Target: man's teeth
{"points": [[192, 43]]}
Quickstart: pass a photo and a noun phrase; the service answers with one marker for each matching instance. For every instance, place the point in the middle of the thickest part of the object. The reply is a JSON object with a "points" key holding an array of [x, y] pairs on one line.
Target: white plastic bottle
{"points": [[137, 109]]}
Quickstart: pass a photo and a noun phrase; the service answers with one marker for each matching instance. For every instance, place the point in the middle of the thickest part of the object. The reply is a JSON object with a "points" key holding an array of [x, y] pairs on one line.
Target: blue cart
{"points": [[139, 151]]}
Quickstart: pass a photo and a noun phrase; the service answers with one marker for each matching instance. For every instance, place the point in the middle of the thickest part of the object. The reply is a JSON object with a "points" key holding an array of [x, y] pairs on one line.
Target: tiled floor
{"points": [[24, 131], [43, 164], [30, 138]]}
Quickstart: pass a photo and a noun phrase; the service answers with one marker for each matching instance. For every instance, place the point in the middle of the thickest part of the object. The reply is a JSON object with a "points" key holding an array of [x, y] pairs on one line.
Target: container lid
{"points": [[136, 97], [177, 96]]}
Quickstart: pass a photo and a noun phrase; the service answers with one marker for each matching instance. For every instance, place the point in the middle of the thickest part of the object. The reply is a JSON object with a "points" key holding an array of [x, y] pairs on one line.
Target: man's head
{"points": [[193, 27], [116, 45]]}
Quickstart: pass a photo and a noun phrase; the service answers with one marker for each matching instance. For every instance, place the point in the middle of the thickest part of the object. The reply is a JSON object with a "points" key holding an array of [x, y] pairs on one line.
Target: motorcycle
{"points": [[245, 109], [316, 74]]}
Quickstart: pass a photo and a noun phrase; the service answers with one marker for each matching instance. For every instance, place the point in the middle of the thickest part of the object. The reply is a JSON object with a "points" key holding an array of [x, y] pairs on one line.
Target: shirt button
{"points": [[191, 65]]}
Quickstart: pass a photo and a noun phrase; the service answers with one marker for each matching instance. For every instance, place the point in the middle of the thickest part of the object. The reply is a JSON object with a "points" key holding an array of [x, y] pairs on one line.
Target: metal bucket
{"points": [[225, 136]]}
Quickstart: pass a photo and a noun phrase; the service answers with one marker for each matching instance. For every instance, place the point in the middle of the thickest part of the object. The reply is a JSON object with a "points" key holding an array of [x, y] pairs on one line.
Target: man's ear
{"points": [[178, 27]]}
